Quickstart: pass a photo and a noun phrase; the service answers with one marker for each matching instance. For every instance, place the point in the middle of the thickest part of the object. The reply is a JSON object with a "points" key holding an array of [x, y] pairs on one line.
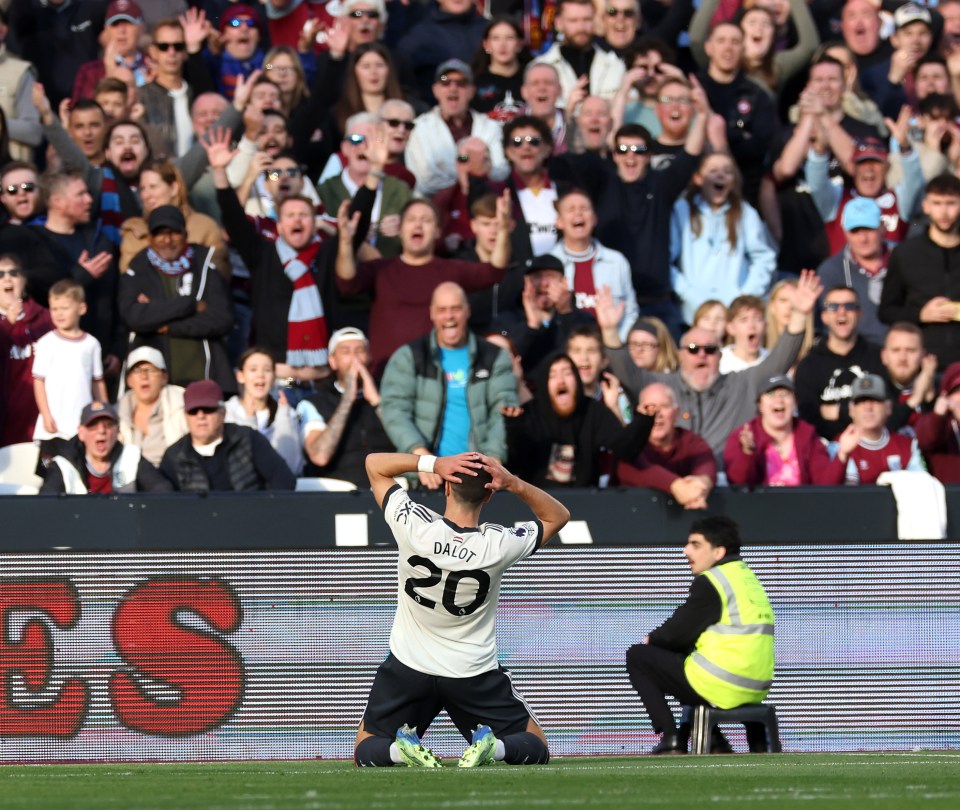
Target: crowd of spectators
{"points": [[639, 243]]}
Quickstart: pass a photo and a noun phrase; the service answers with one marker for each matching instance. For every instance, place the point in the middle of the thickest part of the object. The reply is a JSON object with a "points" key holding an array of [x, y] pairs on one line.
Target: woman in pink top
{"points": [[775, 448]]}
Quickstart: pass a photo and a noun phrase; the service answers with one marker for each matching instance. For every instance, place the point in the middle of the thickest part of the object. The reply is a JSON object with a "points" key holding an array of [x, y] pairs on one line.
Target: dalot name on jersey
{"points": [[453, 550]]}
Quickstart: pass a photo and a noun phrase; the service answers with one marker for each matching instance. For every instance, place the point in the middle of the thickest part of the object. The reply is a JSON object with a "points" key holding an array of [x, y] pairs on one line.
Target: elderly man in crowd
{"points": [[219, 457], [675, 460], [93, 462], [151, 411], [442, 393]]}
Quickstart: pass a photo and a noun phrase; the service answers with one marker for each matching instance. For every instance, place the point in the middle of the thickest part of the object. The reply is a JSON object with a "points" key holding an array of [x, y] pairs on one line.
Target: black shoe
{"points": [[718, 743], [669, 744]]}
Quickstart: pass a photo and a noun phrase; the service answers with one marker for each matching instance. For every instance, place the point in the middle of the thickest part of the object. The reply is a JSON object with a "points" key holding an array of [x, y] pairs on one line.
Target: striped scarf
{"points": [[110, 214], [307, 333]]}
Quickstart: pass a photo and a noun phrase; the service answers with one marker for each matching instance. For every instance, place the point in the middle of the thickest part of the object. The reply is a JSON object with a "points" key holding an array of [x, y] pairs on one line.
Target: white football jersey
{"points": [[448, 587]]}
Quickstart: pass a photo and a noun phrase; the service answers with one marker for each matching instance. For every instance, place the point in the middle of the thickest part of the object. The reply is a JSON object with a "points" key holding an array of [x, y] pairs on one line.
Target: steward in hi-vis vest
{"points": [[716, 648]]}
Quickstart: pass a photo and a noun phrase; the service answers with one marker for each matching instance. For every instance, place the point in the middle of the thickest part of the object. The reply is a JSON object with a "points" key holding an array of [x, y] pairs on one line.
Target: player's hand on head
{"points": [[500, 475], [449, 468]]}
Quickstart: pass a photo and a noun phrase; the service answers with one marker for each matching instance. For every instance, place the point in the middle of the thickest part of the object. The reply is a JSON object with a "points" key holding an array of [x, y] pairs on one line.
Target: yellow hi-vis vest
{"points": [[732, 663]]}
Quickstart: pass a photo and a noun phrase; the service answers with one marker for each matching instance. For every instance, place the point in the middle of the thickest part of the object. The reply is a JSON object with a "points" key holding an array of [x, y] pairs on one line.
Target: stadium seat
{"points": [[324, 485], [702, 719], [18, 464]]}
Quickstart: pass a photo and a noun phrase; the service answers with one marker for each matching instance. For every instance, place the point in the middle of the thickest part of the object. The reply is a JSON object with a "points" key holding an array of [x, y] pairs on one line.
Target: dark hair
{"points": [[481, 59], [111, 84], [642, 45], [930, 59], [420, 201], [472, 489], [633, 131], [905, 327], [719, 530], [251, 352], [351, 99], [826, 59], [587, 330], [943, 103], [945, 184], [841, 288], [527, 121], [82, 104]]}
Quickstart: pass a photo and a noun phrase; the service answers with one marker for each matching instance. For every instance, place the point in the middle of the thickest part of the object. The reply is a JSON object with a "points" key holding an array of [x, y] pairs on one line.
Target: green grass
{"points": [[901, 781]]}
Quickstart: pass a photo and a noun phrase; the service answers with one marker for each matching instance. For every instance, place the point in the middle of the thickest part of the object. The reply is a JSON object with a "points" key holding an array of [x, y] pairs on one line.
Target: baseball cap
{"points": [[235, 11], [775, 382], [869, 149], [909, 13], [951, 378], [869, 386], [166, 216], [861, 212], [202, 394], [347, 333], [544, 262], [454, 66], [123, 10], [97, 410], [146, 354]]}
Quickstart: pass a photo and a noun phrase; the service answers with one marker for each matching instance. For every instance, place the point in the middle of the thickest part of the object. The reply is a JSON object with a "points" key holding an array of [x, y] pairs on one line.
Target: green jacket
{"points": [[332, 192], [413, 394]]}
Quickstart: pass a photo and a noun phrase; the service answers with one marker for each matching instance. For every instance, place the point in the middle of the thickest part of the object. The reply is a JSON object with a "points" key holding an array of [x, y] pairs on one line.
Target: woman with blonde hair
{"points": [[162, 184], [779, 306], [651, 346]]}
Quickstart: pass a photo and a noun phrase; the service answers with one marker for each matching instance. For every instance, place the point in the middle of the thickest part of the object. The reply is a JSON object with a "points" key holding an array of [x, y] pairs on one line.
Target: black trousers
{"points": [[656, 673]]}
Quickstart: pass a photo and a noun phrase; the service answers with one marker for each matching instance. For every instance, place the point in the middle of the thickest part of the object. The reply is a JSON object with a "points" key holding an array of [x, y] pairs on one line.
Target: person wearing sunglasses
{"points": [[578, 55], [166, 100], [841, 356], [219, 457], [432, 150], [20, 192], [241, 54], [711, 404], [392, 194], [122, 30]]}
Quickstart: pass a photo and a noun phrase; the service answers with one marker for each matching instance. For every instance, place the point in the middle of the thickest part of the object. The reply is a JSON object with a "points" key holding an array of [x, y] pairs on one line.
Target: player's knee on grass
{"points": [[525, 748], [373, 752]]}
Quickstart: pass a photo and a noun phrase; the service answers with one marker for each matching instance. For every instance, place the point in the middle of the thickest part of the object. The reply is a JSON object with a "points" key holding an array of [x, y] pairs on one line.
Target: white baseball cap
{"points": [[347, 333], [145, 354]]}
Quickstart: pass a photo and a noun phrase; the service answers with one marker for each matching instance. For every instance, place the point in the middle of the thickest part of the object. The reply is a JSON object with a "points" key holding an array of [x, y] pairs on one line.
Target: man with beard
{"points": [[923, 278], [432, 149], [711, 404], [825, 375], [578, 57], [114, 185], [910, 372], [557, 439], [675, 460], [174, 299], [75, 248], [443, 393], [94, 463], [402, 287]]}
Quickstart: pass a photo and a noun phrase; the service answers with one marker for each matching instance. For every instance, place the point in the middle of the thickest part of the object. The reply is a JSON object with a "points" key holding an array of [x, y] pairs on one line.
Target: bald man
{"points": [[442, 393]]}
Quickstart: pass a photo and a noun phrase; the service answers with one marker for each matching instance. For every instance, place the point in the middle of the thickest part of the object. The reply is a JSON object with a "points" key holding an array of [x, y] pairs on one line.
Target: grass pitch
{"points": [[901, 781]]}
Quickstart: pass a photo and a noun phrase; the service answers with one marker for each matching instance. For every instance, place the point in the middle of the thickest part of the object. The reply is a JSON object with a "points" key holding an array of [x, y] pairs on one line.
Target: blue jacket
{"points": [[704, 266]]}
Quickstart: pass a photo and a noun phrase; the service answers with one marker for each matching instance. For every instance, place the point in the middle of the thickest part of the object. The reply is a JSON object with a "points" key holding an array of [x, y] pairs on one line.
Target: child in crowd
{"points": [[23, 321], [719, 245], [779, 307], [256, 408], [67, 370], [745, 327], [585, 348], [712, 316]]}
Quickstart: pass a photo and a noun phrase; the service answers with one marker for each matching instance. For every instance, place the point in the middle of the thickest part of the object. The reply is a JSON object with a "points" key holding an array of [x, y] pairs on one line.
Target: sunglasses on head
{"points": [[629, 13], [236, 22], [706, 348], [636, 148], [10, 273], [179, 47], [355, 138], [520, 140], [446, 80], [834, 306], [13, 188], [195, 411], [396, 122], [276, 174], [370, 14]]}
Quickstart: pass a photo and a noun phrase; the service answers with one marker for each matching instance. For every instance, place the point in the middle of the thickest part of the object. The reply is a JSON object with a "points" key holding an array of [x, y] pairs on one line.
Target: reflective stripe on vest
{"points": [[733, 660]]}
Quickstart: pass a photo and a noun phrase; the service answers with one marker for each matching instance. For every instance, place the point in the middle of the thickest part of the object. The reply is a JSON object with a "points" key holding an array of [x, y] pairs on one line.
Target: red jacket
{"points": [[690, 455], [939, 442], [816, 466]]}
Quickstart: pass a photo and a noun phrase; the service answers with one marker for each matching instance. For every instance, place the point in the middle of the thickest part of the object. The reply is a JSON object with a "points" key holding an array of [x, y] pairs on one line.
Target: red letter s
{"points": [[181, 680]]}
